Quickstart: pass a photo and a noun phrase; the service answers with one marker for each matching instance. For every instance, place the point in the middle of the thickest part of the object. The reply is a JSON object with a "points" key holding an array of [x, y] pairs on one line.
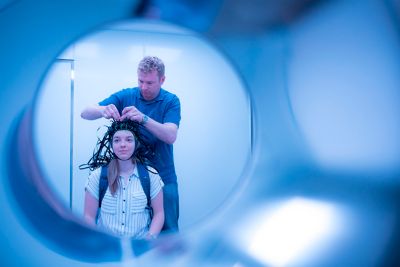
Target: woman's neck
{"points": [[126, 166]]}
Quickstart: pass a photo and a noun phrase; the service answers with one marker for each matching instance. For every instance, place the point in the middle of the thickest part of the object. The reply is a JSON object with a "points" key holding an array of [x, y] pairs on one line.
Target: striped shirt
{"points": [[125, 213]]}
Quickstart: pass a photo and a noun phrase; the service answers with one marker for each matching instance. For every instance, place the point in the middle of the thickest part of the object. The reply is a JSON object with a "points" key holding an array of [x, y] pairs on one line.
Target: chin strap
{"points": [[116, 157]]}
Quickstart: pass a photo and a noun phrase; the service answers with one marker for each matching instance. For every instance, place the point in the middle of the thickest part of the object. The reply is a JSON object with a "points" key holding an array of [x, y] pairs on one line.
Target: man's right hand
{"points": [[111, 112]]}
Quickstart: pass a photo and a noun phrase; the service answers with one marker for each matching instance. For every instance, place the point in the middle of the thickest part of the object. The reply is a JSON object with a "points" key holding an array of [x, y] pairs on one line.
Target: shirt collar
{"points": [[160, 97], [135, 174]]}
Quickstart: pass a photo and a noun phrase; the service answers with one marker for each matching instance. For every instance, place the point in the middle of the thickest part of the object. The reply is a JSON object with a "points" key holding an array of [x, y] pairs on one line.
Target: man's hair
{"points": [[149, 63]]}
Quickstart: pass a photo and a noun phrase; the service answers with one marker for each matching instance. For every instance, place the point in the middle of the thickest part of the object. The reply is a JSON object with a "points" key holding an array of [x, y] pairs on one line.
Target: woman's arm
{"points": [[90, 208], [157, 203]]}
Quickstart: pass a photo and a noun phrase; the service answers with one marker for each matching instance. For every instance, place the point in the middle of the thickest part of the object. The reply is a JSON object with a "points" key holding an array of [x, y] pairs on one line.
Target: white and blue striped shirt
{"points": [[125, 213]]}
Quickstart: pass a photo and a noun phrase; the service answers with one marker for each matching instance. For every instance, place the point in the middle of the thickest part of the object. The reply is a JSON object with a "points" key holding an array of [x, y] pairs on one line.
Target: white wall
{"points": [[214, 138], [52, 128]]}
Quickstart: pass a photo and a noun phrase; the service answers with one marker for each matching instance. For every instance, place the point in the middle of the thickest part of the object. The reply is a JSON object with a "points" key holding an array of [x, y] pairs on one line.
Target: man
{"points": [[159, 111]]}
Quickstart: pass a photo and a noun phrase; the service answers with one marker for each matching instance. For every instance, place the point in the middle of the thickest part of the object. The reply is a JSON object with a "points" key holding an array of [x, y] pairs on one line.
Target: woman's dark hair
{"points": [[103, 153]]}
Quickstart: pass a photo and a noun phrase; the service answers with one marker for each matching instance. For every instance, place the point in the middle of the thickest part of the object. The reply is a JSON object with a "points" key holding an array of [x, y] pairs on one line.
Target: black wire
{"points": [[103, 153]]}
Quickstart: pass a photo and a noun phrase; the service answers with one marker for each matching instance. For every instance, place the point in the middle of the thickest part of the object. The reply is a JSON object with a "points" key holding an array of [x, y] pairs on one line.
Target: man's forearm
{"points": [[92, 112], [166, 132]]}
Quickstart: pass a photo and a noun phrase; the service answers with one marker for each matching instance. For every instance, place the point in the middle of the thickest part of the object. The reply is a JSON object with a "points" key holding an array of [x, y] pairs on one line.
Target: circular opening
{"points": [[214, 137]]}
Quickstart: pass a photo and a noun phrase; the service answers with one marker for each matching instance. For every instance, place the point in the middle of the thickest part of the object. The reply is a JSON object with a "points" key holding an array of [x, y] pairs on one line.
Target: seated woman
{"points": [[119, 167]]}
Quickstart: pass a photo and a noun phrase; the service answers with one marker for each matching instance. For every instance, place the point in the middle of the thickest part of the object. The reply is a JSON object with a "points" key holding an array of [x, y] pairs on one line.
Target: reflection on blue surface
{"points": [[290, 230]]}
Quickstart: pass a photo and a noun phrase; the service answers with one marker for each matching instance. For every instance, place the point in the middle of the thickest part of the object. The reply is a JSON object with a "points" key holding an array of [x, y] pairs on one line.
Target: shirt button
{"points": [[124, 199], [123, 211], [123, 224], [124, 188]]}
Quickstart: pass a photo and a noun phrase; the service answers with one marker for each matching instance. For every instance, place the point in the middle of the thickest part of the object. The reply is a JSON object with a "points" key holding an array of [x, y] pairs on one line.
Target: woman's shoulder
{"points": [[151, 169], [153, 173], [95, 173]]}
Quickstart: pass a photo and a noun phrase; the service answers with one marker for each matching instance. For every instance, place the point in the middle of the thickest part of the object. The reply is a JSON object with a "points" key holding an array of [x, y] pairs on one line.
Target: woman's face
{"points": [[123, 144]]}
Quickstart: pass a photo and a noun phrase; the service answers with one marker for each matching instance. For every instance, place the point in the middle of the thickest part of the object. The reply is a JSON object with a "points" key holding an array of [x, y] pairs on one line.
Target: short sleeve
{"points": [[116, 99], [173, 111], [155, 184], [92, 185]]}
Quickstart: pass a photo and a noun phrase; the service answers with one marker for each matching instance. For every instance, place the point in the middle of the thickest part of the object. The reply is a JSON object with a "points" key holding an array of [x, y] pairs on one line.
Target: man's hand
{"points": [[132, 113], [111, 112]]}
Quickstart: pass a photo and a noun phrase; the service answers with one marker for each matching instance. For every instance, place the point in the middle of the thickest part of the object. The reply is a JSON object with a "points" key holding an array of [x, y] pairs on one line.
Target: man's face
{"points": [[150, 84]]}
